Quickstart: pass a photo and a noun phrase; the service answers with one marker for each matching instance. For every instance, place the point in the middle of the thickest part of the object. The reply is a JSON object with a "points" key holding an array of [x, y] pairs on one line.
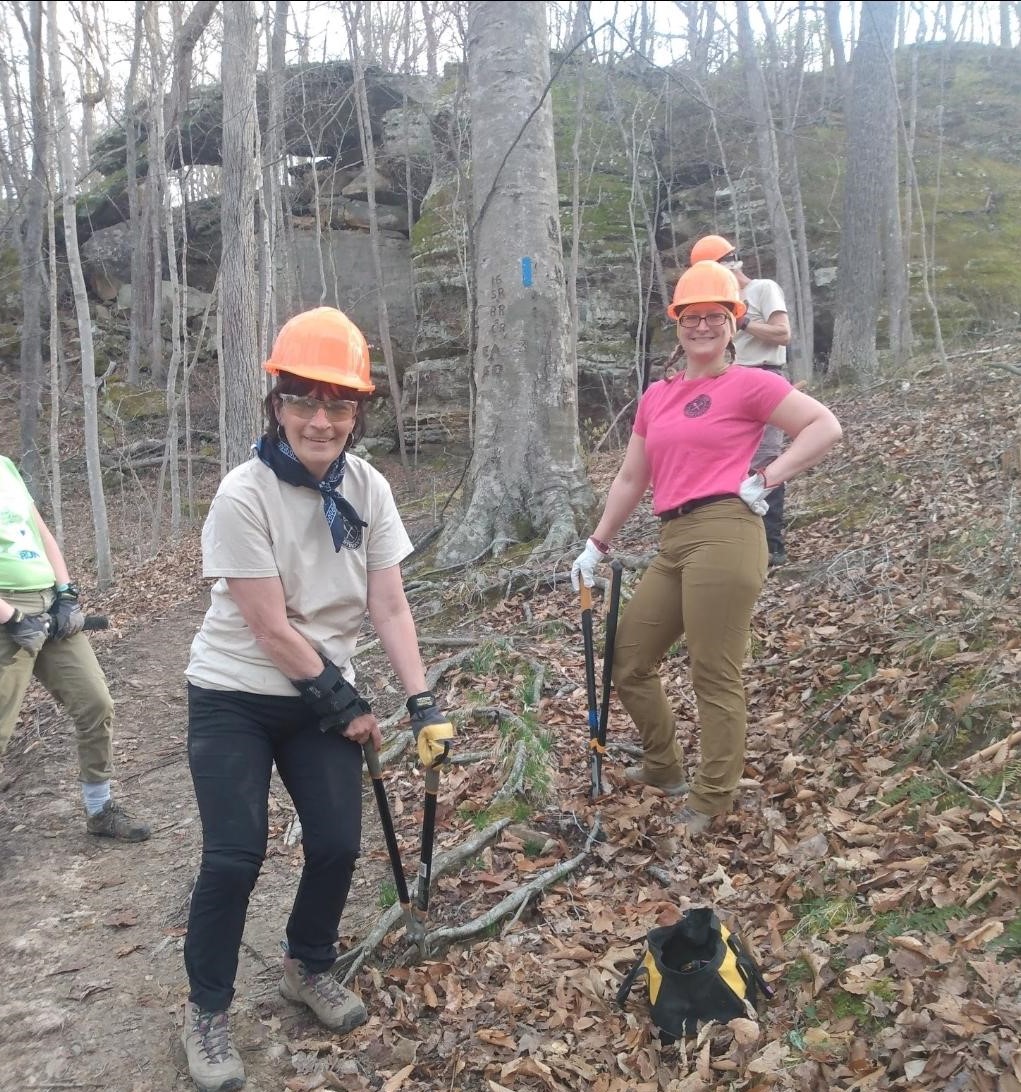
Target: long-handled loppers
{"points": [[414, 924], [595, 748], [597, 721]]}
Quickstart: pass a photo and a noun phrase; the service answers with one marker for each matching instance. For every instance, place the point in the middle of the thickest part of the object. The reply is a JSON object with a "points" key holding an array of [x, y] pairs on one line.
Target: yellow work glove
{"points": [[433, 730]]}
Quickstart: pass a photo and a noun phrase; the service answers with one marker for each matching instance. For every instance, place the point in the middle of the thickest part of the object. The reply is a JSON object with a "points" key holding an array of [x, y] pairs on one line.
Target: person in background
{"points": [[41, 634], [301, 540], [693, 440], [761, 340]]}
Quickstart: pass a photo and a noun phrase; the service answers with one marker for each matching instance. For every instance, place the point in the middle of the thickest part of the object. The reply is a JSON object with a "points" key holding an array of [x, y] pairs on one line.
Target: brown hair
{"points": [[287, 383]]}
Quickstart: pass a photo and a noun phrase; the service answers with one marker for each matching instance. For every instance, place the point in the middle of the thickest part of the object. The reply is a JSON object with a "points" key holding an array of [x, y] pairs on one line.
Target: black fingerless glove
{"points": [[332, 698]]}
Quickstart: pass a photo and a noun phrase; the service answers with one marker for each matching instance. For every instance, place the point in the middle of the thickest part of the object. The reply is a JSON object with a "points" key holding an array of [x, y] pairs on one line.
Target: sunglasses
{"points": [[306, 407], [729, 259]]}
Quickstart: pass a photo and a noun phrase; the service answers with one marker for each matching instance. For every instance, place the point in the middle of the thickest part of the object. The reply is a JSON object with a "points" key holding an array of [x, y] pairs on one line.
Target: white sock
{"points": [[95, 796]]}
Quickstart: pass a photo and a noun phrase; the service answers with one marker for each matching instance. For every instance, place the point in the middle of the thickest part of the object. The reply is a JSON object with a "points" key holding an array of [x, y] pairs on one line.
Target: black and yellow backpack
{"points": [[697, 970]]}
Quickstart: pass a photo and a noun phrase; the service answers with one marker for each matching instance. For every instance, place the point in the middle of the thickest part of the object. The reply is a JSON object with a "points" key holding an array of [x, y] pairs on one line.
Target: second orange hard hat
{"points": [[710, 248]]}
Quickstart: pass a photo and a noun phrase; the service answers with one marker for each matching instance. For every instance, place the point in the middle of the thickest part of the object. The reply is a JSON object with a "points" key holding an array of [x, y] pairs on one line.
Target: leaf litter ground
{"points": [[871, 862]]}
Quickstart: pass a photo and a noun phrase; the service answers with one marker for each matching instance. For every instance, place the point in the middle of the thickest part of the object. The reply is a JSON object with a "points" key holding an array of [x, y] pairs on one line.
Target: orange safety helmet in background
{"points": [[325, 345], [710, 248], [707, 282]]}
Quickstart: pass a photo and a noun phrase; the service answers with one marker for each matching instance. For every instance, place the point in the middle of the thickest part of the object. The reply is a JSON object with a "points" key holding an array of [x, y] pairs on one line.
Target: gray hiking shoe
{"points": [[668, 786], [213, 1062], [114, 822], [339, 1009]]}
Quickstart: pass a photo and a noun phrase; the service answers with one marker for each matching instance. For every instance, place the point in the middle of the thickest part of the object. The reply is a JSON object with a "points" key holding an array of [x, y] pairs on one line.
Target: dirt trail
{"points": [[92, 932]]}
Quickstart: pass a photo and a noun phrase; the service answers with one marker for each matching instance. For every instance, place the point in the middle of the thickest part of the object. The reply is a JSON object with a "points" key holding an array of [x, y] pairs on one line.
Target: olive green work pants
{"points": [[703, 585], [71, 673]]}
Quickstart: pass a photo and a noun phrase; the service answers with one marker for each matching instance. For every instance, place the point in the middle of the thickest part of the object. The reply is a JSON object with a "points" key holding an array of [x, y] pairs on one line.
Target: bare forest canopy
{"points": [[878, 180]]}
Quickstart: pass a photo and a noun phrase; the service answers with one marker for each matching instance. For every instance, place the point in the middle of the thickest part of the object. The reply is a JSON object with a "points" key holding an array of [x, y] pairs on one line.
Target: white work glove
{"points": [[753, 491], [585, 565]]}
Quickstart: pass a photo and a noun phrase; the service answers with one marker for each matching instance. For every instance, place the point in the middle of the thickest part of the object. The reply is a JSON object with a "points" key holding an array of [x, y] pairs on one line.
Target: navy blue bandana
{"points": [[345, 523]]}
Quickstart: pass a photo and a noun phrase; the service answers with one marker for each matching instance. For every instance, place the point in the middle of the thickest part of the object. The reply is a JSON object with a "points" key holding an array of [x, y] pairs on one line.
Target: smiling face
{"points": [[316, 421], [708, 340]]}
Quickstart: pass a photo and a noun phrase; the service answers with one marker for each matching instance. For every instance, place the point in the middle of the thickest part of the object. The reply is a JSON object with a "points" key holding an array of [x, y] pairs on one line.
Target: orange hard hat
{"points": [[710, 248], [325, 345], [707, 282]]}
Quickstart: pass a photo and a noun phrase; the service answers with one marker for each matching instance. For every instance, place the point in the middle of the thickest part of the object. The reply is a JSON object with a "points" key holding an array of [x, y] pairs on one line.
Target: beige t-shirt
{"points": [[259, 526], [764, 298]]}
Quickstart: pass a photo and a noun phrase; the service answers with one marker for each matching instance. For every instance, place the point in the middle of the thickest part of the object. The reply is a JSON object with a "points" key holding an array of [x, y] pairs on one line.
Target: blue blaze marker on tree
{"points": [[526, 272]]}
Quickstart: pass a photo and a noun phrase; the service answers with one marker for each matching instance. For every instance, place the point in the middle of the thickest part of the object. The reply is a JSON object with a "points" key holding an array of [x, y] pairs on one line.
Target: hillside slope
{"points": [[872, 864]]}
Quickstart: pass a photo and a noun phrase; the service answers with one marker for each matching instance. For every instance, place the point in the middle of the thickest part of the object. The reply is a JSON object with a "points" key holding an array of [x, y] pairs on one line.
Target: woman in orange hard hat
{"points": [[301, 541], [693, 440]]}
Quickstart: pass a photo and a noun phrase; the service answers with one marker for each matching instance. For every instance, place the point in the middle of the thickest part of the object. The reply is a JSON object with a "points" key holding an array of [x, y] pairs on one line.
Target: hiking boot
{"points": [[667, 786], [691, 821], [213, 1062], [777, 557], [114, 822], [339, 1009]]}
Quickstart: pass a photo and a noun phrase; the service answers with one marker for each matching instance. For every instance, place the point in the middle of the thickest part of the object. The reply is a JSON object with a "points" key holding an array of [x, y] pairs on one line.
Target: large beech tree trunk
{"points": [[526, 477]]}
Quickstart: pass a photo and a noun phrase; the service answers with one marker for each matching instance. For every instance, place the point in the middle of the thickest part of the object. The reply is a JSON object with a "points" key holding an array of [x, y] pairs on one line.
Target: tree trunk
{"points": [[31, 252], [836, 40], [238, 294], [871, 117], [369, 160], [526, 475], [56, 485], [104, 559], [140, 343], [897, 295], [769, 176]]}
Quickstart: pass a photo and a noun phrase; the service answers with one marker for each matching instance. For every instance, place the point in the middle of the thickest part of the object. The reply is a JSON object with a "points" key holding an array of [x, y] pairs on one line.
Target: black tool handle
{"points": [[425, 867], [96, 621], [617, 570], [386, 822]]}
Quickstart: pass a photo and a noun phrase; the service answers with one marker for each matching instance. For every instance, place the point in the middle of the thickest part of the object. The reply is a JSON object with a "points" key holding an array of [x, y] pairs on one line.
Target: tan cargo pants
{"points": [[71, 673], [703, 585]]}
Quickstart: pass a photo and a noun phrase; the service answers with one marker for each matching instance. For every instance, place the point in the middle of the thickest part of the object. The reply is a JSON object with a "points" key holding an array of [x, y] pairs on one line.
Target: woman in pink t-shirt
{"points": [[694, 437]]}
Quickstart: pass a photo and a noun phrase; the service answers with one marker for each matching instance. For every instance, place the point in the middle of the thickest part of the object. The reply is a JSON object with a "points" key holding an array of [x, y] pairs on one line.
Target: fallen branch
{"points": [[1008, 742], [516, 899], [351, 961], [1014, 369]]}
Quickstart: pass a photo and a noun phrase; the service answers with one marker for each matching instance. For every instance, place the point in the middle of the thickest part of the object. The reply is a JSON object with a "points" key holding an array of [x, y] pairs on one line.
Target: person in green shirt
{"points": [[41, 626]]}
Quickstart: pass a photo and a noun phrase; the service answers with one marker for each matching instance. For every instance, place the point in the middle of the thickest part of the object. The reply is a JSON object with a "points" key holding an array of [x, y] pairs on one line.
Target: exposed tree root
{"points": [[514, 902], [351, 961]]}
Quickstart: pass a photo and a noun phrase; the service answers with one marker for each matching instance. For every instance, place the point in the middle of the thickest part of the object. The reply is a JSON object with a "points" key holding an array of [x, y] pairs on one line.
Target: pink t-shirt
{"points": [[700, 434]]}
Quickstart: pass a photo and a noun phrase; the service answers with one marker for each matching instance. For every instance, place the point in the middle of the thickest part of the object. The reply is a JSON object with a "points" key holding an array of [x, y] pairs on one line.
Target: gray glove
{"points": [[28, 631], [67, 614]]}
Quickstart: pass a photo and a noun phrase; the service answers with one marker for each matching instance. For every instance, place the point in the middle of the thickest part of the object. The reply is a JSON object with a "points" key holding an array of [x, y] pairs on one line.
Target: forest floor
{"points": [[872, 862]]}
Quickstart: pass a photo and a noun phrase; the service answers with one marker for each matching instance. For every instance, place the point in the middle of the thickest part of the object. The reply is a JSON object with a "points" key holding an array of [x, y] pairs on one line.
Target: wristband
{"points": [[602, 547], [417, 703]]}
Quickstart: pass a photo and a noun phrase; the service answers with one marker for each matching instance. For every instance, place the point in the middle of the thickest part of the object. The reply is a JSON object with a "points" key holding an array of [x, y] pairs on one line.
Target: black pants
{"points": [[233, 740], [773, 519]]}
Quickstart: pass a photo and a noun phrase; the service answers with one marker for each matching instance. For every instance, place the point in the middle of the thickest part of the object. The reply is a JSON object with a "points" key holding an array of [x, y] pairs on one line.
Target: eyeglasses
{"points": [[729, 259], [306, 407], [714, 318]]}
